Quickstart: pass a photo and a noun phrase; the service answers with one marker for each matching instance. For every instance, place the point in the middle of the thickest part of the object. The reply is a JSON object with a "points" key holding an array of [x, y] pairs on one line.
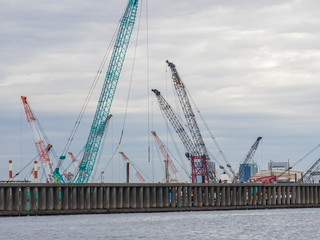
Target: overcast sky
{"points": [[252, 68]]}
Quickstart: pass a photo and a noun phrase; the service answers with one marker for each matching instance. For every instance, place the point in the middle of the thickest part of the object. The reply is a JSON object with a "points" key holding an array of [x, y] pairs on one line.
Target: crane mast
{"points": [[248, 157], [39, 140], [107, 93], [168, 162], [201, 166]]}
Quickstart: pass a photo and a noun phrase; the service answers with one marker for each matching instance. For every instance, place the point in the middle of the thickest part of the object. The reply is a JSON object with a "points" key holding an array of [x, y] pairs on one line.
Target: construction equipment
{"points": [[191, 151], [309, 173], [167, 160], [176, 124], [248, 158], [138, 175], [201, 164], [268, 179], [39, 138], [107, 93]]}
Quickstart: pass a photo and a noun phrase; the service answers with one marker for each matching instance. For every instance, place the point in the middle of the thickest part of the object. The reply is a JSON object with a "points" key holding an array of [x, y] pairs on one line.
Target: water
{"points": [[242, 224]]}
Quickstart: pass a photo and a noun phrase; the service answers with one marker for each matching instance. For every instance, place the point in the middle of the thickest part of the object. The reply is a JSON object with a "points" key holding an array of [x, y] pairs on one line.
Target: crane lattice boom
{"points": [[203, 166], [107, 93], [176, 124], [249, 156], [39, 140], [166, 156], [308, 175]]}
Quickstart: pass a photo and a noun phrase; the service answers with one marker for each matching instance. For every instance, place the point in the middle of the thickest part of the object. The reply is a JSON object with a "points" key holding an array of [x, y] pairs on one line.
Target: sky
{"points": [[250, 66]]}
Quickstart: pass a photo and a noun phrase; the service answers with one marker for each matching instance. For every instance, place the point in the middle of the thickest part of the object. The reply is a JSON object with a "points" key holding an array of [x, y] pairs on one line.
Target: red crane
{"points": [[38, 137], [168, 162], [138, 175]]}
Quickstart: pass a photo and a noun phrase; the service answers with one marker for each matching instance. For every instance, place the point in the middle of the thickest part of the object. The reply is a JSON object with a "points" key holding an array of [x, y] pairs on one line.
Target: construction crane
{"points": [[39, 137], [138, 175], [176, 124], [107, 93], [248, 158], [309, 173], [189, 146], [167, 160], [201, 165]]}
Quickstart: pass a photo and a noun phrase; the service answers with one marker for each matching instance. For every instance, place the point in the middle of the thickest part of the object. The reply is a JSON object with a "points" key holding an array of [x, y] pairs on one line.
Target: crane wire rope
{"points": [[188, 175], [162, 167], [129, 91], [299, 160], [175, 144], [96, 166], [148, 80], [140, 171], [27, 165], [208, 129], [92, 87]]}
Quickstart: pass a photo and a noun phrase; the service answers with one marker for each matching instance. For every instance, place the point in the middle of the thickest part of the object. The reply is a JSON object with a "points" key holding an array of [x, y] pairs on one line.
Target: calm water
{"points": [[245, 224]]}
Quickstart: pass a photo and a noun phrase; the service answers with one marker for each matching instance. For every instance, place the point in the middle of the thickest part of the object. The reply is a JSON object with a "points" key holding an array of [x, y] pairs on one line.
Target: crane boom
{"points": [[39, 140], [138, 175], [249, 156], [308, 175], [168, 162], [202, 167], [176, 124], [107, 93], [187, 110]]}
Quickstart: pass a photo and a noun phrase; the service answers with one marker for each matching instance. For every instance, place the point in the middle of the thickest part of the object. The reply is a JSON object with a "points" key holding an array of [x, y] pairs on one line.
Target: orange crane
{"points": [[38, 137], [138, 175], [168, 162]]}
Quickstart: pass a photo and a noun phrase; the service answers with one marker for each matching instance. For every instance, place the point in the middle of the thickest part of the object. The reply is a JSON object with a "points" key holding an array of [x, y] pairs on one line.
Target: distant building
{"points": [[278, 165], [281, 174]]}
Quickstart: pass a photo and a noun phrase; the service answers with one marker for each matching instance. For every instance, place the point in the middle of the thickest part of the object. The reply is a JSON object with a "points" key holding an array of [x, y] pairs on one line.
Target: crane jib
{"points": [[107, 92]]}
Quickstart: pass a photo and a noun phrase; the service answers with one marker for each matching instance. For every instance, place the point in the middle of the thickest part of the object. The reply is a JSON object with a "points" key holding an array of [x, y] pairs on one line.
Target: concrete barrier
{"points": [[19, 199]]}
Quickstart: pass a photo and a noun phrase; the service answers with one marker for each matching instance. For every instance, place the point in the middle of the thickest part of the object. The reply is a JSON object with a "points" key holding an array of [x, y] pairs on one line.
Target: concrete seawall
{"points": [[51, 199]]}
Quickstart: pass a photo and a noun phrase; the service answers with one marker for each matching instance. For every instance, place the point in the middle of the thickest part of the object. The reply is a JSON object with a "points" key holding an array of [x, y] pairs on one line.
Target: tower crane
{"points": [[248, 158], [168, 162], [38, 137], [201, 165], [138, 175], [107, 93]]}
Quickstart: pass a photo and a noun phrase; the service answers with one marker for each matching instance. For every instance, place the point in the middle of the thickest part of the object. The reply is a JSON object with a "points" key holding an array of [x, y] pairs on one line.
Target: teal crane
{"points": [[107, 93]]}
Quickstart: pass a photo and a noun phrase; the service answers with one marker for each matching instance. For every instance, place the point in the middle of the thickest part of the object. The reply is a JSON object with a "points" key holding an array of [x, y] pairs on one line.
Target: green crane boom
{"points": [[107, 93]]}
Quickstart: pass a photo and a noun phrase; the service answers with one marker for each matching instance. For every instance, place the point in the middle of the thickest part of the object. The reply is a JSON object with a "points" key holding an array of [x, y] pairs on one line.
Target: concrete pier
{"points": [[49, 199]]}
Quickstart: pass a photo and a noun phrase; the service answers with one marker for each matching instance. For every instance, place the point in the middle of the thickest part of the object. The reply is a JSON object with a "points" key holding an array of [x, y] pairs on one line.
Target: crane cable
{"points": [[148, 80], [128, 96], [93, 85], [100, 151], [162, 167], [299, 160], [25, 166], [208, 129]]}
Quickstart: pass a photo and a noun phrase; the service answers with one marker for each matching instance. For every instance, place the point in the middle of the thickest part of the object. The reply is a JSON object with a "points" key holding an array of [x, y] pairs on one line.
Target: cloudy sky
{"points": [[252, 68]]}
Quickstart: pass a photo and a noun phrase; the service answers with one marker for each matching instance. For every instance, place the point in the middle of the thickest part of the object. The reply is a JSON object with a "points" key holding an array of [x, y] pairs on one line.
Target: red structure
{"points": [[35, 171], [10, 170], [38, 137], [167, 160]]}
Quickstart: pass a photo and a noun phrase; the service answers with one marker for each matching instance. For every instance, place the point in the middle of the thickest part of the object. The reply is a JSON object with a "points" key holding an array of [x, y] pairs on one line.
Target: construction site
{"points": [[183, 125]]}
